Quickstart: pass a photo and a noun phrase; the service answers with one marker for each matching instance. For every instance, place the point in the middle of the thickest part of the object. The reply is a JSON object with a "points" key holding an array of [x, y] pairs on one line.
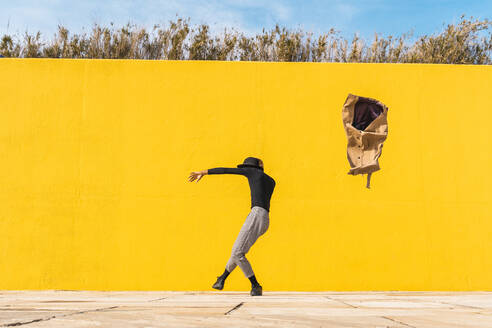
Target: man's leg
{"points": [[256, 224], [243, 243], [234, 259]]}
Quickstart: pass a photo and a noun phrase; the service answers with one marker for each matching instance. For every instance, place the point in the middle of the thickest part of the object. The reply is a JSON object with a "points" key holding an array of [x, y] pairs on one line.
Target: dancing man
{"points": [[257, 221]]}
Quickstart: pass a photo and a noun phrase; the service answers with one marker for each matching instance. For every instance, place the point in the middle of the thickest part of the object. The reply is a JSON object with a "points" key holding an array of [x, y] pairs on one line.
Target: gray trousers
{"points": [[256, 224]]}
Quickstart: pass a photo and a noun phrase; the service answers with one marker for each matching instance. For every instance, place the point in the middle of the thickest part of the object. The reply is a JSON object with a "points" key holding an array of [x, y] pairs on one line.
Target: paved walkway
{"points": [[234, 309]]}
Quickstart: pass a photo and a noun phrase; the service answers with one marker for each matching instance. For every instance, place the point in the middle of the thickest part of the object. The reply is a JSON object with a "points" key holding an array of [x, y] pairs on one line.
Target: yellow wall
{"points": [[95, 155]]}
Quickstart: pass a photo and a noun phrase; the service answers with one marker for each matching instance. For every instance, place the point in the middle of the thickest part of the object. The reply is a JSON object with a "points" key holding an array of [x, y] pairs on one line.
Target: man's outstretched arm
{"points": [[227, 170], [218, 170]]}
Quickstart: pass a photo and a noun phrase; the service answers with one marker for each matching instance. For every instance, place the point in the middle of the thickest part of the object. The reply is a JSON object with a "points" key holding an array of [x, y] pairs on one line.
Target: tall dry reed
{"points": [[467, 42]]}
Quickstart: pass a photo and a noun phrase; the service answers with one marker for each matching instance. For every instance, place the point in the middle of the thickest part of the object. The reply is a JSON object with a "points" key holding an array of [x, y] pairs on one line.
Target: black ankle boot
{"points": [[219, 284], [256, 291]]}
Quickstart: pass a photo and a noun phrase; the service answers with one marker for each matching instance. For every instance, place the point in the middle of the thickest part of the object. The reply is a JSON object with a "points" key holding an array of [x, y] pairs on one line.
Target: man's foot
{"points": [[219, 284], [256, 291]]}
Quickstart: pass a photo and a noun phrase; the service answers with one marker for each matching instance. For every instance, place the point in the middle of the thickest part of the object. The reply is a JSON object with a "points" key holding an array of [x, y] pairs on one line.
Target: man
{"points": [[257, 222]]}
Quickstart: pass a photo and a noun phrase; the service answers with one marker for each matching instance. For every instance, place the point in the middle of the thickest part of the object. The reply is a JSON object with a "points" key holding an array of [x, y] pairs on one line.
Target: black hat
{"points": [[251, 162]]}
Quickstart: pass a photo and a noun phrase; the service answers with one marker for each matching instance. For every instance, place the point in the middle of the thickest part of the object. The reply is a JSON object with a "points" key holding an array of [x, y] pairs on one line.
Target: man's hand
{"points": [[196, 176]]}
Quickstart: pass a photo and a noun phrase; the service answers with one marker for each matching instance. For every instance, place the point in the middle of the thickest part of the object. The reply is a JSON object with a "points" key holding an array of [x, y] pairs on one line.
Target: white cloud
{"points": [[346, 10], [248, 16], [281, 11]]}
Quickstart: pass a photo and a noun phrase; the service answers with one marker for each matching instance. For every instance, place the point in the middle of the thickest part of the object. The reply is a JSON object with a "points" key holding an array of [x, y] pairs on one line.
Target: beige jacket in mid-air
{"points": [[366, 126]]}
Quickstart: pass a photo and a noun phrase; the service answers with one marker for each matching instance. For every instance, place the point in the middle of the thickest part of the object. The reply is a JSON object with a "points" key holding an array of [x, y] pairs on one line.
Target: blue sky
{"points": [[348, 16]]}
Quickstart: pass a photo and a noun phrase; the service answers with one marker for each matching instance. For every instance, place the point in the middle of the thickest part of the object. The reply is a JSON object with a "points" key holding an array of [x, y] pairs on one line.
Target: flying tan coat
{"points": [[366, 127]]}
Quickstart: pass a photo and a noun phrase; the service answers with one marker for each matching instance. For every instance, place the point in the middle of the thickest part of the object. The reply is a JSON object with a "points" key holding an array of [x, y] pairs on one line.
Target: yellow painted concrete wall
{"points": [[94, 159]]}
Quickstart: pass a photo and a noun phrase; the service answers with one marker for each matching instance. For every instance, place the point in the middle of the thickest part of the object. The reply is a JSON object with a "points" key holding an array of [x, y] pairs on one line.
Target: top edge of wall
{"points": [[233, 62]]}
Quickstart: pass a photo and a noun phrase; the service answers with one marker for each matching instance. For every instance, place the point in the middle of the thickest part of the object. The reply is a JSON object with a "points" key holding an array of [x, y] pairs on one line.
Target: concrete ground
{"points": [[238, 309]]}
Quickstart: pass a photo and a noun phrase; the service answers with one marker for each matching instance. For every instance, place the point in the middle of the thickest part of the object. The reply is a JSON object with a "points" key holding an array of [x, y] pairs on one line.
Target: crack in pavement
{"points": [[234, 308], [335, 300], [461, 305], [20, 323], [397, 321]]}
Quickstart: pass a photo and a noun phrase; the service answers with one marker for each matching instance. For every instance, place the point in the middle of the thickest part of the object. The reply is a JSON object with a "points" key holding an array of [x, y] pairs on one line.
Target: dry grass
{"points": [[468, 42]]}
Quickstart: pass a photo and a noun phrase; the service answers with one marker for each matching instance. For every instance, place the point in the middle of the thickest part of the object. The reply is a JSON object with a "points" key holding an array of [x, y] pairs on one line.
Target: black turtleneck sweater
{"points": [[260, 183]]}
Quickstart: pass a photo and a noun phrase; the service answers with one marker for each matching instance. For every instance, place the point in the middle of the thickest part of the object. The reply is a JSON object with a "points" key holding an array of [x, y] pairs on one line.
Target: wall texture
{"points": [[95, 155]]}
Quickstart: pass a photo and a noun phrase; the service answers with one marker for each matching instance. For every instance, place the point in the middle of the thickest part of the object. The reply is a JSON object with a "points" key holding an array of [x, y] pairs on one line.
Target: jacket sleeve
{"points": [[227, 170]]}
